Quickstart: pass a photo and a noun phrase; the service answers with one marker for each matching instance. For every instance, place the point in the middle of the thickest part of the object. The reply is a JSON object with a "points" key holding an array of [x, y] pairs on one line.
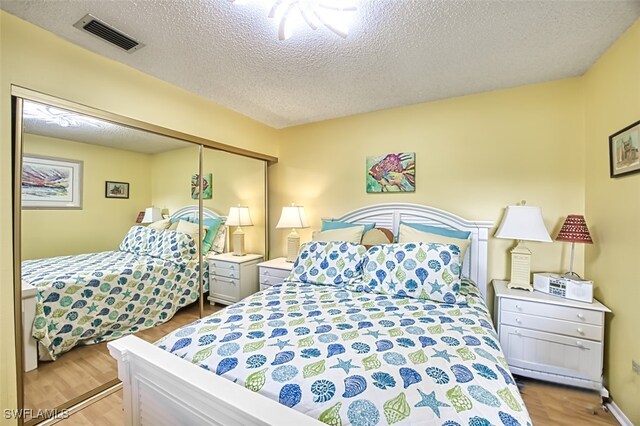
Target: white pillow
{"points": [[160, 225], [412, 235], [353, 234], [192, 229]]}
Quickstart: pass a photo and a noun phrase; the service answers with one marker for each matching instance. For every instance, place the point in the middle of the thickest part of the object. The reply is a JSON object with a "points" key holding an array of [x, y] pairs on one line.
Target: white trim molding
{"points": [[618, 414]]}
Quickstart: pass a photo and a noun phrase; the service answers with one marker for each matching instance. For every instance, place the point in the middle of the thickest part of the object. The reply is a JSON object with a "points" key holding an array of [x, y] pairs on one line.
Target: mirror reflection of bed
{"points": [[90, 272]]}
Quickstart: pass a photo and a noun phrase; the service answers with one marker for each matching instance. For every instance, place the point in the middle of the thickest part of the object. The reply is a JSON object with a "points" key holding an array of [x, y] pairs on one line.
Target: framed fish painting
{"points": [[207, 184], [392, 173], [51, 183]]}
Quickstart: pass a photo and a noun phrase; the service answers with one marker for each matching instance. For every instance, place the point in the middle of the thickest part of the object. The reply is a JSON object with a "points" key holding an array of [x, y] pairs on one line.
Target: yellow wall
{"points": [[38, 60], [102, 222], [612, 93], [236, 180], [474, 156]]}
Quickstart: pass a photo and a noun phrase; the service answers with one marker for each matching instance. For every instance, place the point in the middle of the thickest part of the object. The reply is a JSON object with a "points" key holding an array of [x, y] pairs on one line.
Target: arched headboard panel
{"points": [[190, 213], [389, 215]]}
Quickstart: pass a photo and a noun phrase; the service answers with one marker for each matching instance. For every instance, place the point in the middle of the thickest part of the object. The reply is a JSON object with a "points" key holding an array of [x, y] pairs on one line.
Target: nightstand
{"points": [[549, 337], [274, 272], [232, 278]]}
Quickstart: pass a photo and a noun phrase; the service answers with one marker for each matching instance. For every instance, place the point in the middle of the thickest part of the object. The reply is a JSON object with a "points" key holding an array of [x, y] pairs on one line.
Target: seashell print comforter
{"points": [[350, 358]]}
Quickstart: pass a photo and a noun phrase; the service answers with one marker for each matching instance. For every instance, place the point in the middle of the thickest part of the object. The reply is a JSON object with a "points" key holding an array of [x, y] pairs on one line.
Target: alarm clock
{"points": [[568, 287]]}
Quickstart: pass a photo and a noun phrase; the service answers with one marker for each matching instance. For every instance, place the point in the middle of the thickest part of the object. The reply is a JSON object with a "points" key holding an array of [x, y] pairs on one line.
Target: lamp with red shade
{"points": [[574, 230]]}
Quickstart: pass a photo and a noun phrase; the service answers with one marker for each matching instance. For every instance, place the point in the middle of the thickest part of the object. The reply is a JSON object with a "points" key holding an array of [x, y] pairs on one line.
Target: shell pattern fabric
{"points": [[357, 358], [91, 298], [419, 270], [328, 263]]}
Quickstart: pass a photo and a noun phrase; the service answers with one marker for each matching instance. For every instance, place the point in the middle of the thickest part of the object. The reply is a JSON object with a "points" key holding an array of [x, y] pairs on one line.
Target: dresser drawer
{"points": [[273, 272], [267, 280], [550, 325], [224, 269], [226, 289], [584, 316], [550, 353]]}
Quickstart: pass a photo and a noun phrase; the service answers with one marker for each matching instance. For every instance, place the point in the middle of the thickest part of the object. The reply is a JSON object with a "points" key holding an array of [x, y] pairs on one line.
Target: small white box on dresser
{"points": [[274, 271], [550, 338], [232, 278]]}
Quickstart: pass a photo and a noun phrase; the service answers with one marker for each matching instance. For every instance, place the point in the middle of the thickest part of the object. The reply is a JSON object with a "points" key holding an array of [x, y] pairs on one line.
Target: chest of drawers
{"points": [[550, 338], [232, 278]]}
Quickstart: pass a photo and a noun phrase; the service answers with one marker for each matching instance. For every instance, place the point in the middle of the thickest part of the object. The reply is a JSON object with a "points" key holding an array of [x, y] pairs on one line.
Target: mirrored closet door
{"points": [[110, 224]]}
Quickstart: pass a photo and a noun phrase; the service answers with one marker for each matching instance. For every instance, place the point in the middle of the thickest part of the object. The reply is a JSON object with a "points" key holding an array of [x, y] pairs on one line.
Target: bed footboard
{"points": [[162, 389]]}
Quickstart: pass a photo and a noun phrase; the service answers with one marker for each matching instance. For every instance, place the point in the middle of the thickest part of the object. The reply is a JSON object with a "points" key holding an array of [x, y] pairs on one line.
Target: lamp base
{"points": [[520, 267], [293, 245], [238, 242]]}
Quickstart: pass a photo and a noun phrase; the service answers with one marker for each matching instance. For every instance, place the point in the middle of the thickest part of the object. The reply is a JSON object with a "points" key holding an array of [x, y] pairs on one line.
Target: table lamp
{"points": [[292, 217], [238, 216], [152, 214], [522, 223], [574, 230]]}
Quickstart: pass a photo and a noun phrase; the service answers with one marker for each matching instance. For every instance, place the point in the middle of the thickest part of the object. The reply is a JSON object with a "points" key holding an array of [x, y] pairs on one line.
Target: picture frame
{"points": [[624, 151], [51, 183], [393, 172], [116, 189], [207, 183]]}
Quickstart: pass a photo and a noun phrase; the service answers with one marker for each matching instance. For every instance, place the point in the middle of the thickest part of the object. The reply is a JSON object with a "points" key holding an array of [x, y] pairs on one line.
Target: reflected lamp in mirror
{"points": [[292, 217], [152, 214], [239, 216], [522, 223], [574, 230]]}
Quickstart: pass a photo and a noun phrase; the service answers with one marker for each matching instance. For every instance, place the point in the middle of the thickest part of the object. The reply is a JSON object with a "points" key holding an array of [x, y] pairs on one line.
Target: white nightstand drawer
{"points": [[225, 288], [578, 315], [224, 269], [267, 280], [275, 273], [551, 353], [550, 325]]}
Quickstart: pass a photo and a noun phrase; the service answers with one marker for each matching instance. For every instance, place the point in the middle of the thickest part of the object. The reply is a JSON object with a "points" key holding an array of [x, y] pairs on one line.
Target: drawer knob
{"points": [[581, 316], [232, 267], [518, 332], [266, 272], [581, 331], [519, 307], [518, 320], [580, 345]]}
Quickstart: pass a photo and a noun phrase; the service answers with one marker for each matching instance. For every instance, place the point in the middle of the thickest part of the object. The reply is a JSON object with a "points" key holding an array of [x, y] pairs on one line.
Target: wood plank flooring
{"points": [[86, 367], [548, 405]]}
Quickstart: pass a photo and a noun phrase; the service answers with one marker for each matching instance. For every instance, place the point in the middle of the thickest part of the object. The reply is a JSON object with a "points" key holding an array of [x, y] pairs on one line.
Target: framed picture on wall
{"points": [[116, 189], [51, 183], [395, 172], [624, 151]]}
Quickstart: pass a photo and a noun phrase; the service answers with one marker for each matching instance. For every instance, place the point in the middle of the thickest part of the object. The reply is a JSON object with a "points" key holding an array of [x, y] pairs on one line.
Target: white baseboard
{"points": [[618, 414]]}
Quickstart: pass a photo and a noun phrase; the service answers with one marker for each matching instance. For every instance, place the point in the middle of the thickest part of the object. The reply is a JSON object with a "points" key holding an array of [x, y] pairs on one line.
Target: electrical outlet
{"points": [[635, 366]]}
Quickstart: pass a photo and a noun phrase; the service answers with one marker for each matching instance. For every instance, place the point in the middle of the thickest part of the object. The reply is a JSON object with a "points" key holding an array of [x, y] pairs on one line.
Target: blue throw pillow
{"points": [[207, 241], [336, 224], [464, 235]]}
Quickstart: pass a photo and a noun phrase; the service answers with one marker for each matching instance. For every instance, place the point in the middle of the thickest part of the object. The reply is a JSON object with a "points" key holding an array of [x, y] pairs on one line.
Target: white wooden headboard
{"points": [[389, 215], [191, 213]]}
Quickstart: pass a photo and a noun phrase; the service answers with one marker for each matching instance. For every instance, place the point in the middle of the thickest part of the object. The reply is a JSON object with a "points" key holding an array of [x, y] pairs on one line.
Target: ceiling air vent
{"points": [[106, 32]]}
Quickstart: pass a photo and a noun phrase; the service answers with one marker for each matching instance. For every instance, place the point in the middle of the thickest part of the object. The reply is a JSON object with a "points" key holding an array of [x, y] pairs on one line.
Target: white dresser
{"points": [[274, 272], [551, 338], [232, 278]]}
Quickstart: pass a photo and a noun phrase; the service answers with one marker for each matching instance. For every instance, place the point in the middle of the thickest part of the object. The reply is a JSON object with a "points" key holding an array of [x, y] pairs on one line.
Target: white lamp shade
{"points": [[523, 223], [293, 217], [152, 214], [239, 216]]}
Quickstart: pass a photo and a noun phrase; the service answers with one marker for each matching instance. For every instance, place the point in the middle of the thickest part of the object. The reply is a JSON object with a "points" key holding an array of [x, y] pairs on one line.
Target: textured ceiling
{"points": [[398, 52], [57, 123]]}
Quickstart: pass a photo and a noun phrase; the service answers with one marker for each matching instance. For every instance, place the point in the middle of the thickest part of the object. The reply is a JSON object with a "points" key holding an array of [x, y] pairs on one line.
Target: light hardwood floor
{"points": [[548, 405], [86, 367]]}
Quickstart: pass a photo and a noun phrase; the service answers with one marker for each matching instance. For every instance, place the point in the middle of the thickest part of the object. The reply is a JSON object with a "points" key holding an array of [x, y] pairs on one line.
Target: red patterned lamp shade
{"points": [[574, 230]]}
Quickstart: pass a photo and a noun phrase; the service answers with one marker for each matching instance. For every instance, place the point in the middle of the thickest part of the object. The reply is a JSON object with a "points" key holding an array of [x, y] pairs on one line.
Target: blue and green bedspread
{"points": [[91, 298], [347, 357]]}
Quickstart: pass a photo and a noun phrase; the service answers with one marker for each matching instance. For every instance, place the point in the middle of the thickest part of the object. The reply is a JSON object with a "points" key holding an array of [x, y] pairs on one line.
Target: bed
{"points": [[332, 354], [91, 298]]}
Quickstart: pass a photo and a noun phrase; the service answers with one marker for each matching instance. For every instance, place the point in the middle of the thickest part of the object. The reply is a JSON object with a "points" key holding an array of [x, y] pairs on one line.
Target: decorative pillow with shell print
{"points": [[418, 270], [328, 263]]}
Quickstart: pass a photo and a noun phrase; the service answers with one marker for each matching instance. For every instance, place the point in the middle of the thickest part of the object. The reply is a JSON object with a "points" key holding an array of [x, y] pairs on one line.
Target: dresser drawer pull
{"points": [[580, 316], [518, 332], [518, 320], [266, 272], [581, 331], [580, 345], [518, 307]]}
